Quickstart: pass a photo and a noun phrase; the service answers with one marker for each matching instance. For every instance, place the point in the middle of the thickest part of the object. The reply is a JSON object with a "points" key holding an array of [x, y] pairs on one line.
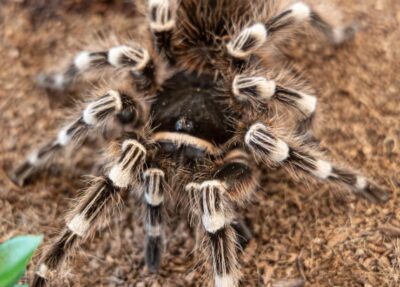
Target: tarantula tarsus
{"points": [[202, 96]]}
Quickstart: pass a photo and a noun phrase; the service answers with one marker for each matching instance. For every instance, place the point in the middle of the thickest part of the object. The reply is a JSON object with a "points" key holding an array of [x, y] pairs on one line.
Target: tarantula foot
{"points": [[52, 81], [344, 34], [22, 174], [374, 193], [17, 181]]}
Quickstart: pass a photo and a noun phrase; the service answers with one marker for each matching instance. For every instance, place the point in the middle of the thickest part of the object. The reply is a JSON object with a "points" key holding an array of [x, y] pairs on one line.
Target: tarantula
{"points": [[206, 107]]}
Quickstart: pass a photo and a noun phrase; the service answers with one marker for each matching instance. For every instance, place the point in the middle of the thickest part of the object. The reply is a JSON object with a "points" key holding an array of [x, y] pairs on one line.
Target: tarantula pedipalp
{"points": [[200, 105]]}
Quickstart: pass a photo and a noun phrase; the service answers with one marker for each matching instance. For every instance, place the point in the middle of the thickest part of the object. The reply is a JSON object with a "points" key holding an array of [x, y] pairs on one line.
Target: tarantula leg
{"points": [[260, 89], [250, 39], [221, 237], [136, 58], [269, 149], [162, 15], [154, 181], [94, 116], [102, 195], [296, 13], [236, 173], [336, 35], [243, 233], [240, 182]]}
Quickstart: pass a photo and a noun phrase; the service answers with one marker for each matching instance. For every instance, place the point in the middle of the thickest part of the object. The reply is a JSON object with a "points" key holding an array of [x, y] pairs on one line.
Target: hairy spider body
{"points": [[188, 104], [207, 109]]}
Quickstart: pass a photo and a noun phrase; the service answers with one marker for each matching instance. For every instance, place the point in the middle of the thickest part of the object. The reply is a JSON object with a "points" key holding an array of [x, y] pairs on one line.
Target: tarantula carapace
{"points": [[207, 107]]}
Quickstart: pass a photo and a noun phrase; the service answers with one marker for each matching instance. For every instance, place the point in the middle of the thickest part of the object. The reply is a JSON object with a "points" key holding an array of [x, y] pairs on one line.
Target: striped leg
{"points": [[254, 89], [101, 196], [162, 15], [154, 180], [336, 35], [216, 216], [133, 57], [269, 149], [241, 182], [239, 177], [250, 39], [94, 116]]}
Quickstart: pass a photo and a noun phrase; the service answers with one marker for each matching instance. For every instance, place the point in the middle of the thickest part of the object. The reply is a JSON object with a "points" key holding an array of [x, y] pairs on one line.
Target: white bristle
{"points": [[63, 138], [119, 176], [59, 80], [323, 169], [307, 103], [192, 186], [225, 281], [280, 151], [343, 34], [33, 158], [121, 173], [79, 225], [163, 8], [90, 113], [42, 270], [157, 2], [257, 31], [252, 130], [265, 88], [213, 222], [115, 54], [217, 184], [361, 182], [117, 99], [260, 134], [153, 195], [140, 56], [153, 171], [154, 199], [89, 117], [136, 144], [300, 11], [82, 61]]}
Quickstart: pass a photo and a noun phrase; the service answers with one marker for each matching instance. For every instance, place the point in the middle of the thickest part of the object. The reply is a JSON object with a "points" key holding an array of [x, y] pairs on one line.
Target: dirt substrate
{"points": [[300, 231]]}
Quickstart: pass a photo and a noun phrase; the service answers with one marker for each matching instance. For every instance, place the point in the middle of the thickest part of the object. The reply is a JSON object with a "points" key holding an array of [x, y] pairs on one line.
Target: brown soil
{"points": [[300, 231]]}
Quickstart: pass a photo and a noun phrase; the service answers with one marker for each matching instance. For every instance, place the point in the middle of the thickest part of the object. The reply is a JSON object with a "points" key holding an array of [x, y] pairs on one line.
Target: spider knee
{"points": [[255, 88], [213, 206], [135, 57], [154, 181], [239, 177], [244, 88], [248, 41], [162, 15], [132, 157], [264, 145]]}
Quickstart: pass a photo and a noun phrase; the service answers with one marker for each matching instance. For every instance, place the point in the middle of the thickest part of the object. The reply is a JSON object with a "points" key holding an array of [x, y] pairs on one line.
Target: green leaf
{"points": [[14, 256]]}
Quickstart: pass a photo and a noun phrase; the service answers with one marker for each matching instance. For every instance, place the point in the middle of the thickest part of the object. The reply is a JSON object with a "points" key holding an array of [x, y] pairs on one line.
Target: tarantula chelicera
{"points": [[205, 107]]}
